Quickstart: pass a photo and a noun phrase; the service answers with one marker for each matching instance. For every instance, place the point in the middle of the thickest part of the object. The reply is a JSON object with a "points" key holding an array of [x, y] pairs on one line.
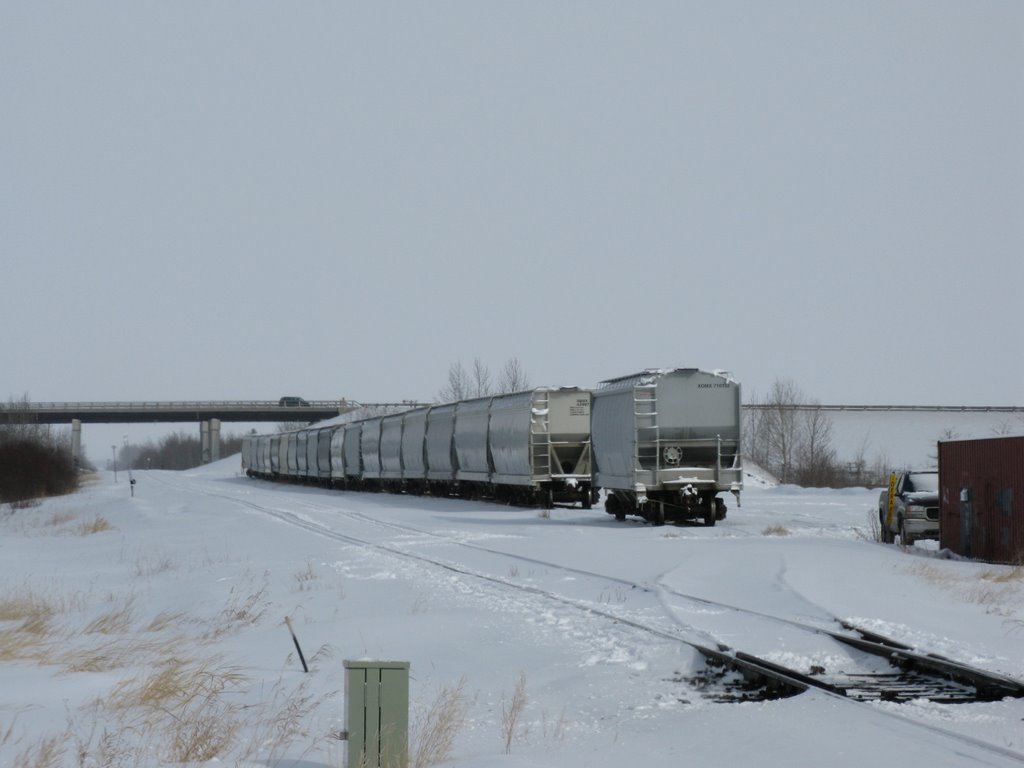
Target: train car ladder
{"points": [[645, 411], [540, 440]]}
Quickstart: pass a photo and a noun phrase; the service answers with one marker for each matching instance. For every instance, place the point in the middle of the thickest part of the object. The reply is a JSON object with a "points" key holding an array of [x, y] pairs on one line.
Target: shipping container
{"points": [[981, 499]]}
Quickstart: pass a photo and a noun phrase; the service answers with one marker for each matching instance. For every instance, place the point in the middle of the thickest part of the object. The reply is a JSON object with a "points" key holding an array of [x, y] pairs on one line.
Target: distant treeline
{"points": [[178, 450]]}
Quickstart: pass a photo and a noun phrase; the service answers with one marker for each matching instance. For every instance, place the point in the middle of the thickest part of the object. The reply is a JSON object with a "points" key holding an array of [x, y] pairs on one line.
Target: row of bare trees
{"points": [[787, 435], [464, 383]]}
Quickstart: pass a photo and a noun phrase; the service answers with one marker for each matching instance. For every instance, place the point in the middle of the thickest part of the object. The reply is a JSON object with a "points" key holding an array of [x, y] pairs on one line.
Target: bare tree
{"points": [[791, 437], [513, 378], [458, 386], [816, 458], [481, 379], [463, 384], [781, 429]]}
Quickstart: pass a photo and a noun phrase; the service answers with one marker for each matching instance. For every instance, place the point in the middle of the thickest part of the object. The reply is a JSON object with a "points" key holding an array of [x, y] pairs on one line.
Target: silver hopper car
{"points": [[666, 442], [538, 444]]}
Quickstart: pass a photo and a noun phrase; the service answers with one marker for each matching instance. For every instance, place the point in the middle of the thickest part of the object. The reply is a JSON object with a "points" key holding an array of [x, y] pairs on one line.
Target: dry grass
{"points": [[171, 706], [183, 702], [512, 710], [775, 530], [34, 616], [59, 518], [164, 620], [990, 588], [153, 565], [174, 682], [48, 753], [556, 729], [280, 724], [1005, 575], [874, 529], [434, 732], [305, 577], [26, 605], [97, 525], [245, 607], [114, 621]]}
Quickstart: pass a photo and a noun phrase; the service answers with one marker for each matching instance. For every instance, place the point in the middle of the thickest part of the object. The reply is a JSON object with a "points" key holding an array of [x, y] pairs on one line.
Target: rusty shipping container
{"points": [[981, 498]]}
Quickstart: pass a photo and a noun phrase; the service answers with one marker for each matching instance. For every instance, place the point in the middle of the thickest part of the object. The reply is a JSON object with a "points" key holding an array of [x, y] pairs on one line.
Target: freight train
{"points": [[661, 444]]}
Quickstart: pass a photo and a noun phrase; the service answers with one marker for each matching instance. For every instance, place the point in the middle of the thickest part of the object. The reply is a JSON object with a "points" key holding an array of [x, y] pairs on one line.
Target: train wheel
{"points": [[657, 513], [613, 506]]}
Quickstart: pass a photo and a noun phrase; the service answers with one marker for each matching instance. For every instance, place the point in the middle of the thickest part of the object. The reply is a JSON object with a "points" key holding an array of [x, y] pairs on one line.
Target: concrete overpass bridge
{"points": [[174, 411], [207, 413]]}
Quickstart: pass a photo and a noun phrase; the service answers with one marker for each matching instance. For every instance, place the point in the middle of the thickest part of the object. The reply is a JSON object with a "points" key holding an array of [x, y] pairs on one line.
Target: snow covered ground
{"points": [[149, 630]]}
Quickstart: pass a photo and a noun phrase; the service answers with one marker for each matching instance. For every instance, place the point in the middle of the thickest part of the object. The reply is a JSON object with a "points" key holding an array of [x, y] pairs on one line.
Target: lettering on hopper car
{"points": [[714, 386], [582, 408]]}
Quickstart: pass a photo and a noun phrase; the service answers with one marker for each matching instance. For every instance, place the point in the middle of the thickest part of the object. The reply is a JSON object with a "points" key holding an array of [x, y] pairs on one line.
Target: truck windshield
{"points": [[922, 481]]}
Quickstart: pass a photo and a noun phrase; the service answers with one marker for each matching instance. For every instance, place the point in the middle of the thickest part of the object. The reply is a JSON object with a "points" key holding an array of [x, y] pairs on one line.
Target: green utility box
{"points": [[377, 713]]}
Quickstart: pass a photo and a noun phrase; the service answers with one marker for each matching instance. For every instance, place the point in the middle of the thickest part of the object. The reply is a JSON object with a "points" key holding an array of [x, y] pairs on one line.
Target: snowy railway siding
{"points": [[593, 613], [879, 669]]}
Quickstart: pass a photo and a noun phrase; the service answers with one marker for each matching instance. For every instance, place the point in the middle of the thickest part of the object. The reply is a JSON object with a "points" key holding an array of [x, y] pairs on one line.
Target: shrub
{"points": [[34, 466]]}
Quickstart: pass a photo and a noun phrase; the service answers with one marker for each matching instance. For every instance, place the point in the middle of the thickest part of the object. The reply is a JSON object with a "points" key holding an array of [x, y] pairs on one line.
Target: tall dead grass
{"points": [[97, 525], [991, 587], [434, 732], [512, 710], [33, 616], [174, 703], [183, 701]]}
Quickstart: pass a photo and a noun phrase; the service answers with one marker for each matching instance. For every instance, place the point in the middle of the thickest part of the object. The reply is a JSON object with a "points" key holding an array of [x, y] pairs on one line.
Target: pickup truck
{"points": [[915, 507]]}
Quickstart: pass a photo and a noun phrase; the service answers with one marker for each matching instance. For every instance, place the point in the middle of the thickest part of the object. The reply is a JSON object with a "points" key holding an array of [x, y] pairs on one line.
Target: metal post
{"points": [[113, 460]]}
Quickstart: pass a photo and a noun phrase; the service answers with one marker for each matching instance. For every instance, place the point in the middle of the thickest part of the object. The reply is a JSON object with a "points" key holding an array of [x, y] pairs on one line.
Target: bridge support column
{"points": [[214, 439], [209, 436], [204, 441], [76, 443]]}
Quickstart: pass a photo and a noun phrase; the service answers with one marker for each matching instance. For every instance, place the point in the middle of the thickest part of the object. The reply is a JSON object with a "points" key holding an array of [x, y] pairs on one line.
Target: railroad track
{"points": [[876, 668], [903, 675]]}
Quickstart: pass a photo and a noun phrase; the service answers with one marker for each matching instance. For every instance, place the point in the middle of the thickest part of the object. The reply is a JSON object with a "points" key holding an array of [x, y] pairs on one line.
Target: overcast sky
{"points": [[245, 200]]}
